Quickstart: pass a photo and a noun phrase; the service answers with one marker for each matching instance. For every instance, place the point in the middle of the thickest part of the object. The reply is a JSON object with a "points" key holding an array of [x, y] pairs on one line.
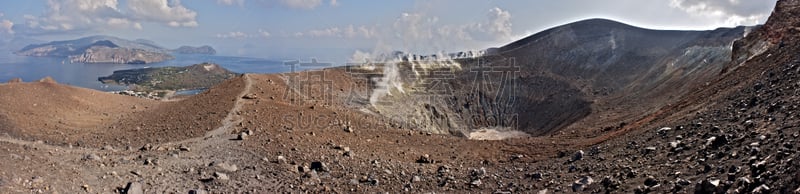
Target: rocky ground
{"points": [[258, 147], [264, 134]]}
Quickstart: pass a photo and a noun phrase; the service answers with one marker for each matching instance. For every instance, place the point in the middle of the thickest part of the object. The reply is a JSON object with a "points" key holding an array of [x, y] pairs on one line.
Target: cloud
{"points": [[499, 24], [496, 27], [171, 13], [329, 32], [415, 26], [264, 33], [6, 27], [293, 4], [77, 15], [302, 4], [350, 32], [231, 2], [417, 31], [123, 23], [726, 12], [422, 33], [236, 35], [362, 31], [242, 35]]}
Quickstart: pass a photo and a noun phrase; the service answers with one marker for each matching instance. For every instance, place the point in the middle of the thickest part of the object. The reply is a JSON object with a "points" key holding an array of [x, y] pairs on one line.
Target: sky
{"points": [[335, 29]]}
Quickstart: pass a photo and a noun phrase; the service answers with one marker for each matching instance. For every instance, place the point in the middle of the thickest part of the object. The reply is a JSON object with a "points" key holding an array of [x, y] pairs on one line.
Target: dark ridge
{"points": [[105, 43]]}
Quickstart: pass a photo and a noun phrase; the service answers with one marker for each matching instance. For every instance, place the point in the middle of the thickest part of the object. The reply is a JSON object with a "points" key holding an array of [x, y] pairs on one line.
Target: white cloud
{"points": [[302, 4], [293, 4], [350, 32], [264, 33], [726, 12], [171, 13], [243, 35], [417, 31], [78, 15], [235, 34], [63, 16], [123, 23], [231, 2], [329, 32], [6, 26], [361, 31], [421, 33], [497, 27], [415, 26], [499, 24], [454, 32]]}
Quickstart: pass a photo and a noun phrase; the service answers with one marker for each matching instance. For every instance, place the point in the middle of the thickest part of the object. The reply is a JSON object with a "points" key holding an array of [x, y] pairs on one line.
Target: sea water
{"points": [[85, 75]]}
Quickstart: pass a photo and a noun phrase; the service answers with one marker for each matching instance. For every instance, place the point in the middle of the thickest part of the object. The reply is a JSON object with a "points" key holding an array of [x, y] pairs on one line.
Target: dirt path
{"points": [[42, 145], [224, 129], [223, 132], [233, 115], [162, 167]]}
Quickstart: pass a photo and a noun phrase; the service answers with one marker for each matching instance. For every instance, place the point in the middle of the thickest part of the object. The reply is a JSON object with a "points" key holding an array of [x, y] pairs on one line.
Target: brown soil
{"points": [[268, 133]]}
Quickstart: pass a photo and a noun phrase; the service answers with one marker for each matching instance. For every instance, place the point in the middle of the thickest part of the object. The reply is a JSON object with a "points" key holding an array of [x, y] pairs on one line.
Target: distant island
{"points": [[206, 50], [109, 49], [197, 76]]}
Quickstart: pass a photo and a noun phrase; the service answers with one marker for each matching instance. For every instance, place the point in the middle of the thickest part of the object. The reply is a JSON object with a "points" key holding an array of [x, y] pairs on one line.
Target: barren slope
{"points": [[58, 113], [589, 74]]}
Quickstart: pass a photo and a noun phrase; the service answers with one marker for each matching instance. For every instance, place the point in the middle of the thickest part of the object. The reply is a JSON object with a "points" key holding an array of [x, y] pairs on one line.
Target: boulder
{"points": [[221, 176], [425, 159], [319, 166], [578, 155], [710, 185], [581, 183], [281, 160], [225, 166], [242, 136], [134, 188], [92, 157]]}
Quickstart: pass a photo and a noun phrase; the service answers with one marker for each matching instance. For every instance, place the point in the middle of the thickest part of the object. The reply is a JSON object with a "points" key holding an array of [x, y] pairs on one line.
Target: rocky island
{"points": [[105, 51], [108, 49], [191, 77], [204, 50]]}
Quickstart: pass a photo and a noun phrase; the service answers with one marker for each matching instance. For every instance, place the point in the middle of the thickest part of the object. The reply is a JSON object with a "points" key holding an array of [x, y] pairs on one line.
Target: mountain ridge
{"points": [[110, 50], [565, 78]]}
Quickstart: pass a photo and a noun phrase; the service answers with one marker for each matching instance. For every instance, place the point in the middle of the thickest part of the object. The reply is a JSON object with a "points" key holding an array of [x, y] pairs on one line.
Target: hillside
{"points": [[61, 113], [609, 108], [593, 73]]}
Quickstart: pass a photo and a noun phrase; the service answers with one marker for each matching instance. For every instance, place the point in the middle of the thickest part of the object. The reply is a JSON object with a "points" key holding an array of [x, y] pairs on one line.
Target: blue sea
{"points": [[85, 75]]}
